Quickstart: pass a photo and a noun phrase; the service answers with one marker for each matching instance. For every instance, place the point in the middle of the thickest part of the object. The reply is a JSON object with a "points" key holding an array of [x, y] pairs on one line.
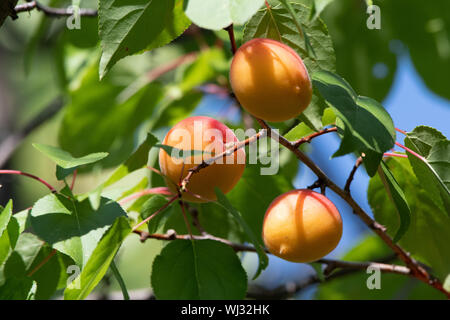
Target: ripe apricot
{"points": [[205, 137], [301, 226], [270, 80]]}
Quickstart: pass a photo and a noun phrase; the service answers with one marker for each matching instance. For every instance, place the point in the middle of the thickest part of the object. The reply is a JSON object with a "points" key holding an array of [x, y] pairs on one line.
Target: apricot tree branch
{"points": [[352, 174], [228, 152], [230, 31], [330, 263], [54, 12], [155, 213], [21, 173], [416, 270], [308, 139]]}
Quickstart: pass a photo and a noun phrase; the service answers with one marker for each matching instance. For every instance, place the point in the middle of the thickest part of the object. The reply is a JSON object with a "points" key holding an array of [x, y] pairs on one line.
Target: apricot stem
{"points": [[308, 139], [21, 173], [155, 213], [158, 190]]}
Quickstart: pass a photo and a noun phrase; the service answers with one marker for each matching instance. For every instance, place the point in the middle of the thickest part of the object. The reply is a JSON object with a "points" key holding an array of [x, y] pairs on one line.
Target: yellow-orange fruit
{"points": [[205, 137], [270, 80], [302, 226]]}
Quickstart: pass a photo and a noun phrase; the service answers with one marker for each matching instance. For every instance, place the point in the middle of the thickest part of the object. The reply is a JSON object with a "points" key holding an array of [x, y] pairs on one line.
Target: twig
{"points": [[230, 31], [352, 174], [308, 139], [54, 12], [74, 177], [195, 220], [155, 213], [158, 190], [42, 263], [157, 72], [17, 172], [186, 221], [410, 151], [226, 153], [418, 272], [331, 264]]}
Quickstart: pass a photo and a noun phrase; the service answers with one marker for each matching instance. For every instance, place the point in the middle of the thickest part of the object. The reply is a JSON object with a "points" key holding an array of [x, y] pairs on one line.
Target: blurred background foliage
{"points": [[44, 63]]}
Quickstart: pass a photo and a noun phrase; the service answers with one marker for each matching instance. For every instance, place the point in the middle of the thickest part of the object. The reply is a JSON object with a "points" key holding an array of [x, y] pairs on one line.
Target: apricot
{"points": [[301, 226], [270, 80], [205, 137]]}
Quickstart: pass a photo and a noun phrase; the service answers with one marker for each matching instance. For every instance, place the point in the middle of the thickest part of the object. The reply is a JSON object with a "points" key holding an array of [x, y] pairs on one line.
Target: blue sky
{"points": [[410, 103]]}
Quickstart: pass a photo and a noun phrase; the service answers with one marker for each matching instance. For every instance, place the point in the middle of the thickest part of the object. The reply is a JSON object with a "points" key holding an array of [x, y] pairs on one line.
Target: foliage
{"points": [[139, 67]]}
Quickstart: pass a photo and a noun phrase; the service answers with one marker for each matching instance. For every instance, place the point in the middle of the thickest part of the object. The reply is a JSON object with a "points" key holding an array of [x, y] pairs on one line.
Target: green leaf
{"points": [[365, 57], [65, 161], [128, 28], [262, 189], [99, 261], [203, 269], [9, 232], [218, 14], [428, 236], [105, 115], [18, 289], [318, 7], [73, 227], [319, 270], [434, 172], [279, 25], [354, 285], [136, 161], [5, 215], [216, 221], [263, 259], [364, 124], [49, 271], [427, 38], [21, 260], [397, 196], [151, 206]]}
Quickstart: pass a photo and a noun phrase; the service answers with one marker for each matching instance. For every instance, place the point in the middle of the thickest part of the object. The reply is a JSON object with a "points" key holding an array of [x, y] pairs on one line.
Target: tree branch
{"points": [[283, 291], [11, 142], [228, 152], [416, 270], [352, 174], [308, 139], [54, 12]]}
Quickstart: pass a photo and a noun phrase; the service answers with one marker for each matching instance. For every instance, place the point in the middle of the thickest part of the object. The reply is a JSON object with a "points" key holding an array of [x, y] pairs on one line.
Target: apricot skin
{"points": [[301, 226], [222, 175], [270, 80]]}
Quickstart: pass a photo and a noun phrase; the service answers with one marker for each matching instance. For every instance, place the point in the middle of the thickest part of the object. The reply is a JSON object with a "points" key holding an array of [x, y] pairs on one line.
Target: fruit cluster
{"points": [[271, 82]]}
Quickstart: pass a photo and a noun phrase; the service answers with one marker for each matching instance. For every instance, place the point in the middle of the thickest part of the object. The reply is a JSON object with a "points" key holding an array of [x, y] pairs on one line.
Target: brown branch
{"points": [[308, 139], [289, 289], [157, 72], [331, 264], [352, 174], [228, 152], [43, 262], [155, 213], [416, 270], [54, 12]]}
